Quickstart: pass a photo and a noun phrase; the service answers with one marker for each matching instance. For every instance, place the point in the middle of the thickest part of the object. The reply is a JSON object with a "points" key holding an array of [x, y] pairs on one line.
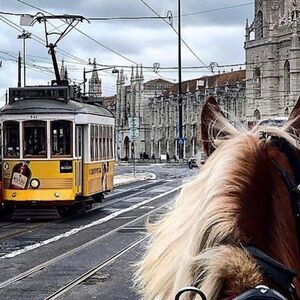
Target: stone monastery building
{"points": [[268, 87]]}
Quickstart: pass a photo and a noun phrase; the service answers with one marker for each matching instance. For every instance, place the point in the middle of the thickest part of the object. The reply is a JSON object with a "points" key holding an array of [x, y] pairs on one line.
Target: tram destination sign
{"points": [[40, 92]]}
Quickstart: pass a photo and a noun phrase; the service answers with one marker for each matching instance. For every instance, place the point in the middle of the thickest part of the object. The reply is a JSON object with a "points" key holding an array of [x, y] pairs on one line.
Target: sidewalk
{"points": [[128, 178]]}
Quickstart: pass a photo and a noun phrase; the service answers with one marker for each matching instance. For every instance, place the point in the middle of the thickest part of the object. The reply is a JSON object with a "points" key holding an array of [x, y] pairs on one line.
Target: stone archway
{"points": [[126, 148], [257, 115]]}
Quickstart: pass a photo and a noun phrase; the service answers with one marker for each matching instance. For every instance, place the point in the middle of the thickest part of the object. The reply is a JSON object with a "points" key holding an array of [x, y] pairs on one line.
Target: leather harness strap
{"points": [[277, 273], [293, 187]]}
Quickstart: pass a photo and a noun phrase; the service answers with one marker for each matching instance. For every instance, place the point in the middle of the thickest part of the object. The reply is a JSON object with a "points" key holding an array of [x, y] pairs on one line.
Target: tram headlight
{"points": [[34, 183], [56, 194]]}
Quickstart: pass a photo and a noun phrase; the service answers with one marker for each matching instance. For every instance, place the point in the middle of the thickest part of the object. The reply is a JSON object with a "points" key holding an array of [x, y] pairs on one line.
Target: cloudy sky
{"points": [[212, 29]]}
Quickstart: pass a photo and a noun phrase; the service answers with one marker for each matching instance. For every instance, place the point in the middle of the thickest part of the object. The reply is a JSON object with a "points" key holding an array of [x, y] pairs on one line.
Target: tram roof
{"points": [[46, 106]]}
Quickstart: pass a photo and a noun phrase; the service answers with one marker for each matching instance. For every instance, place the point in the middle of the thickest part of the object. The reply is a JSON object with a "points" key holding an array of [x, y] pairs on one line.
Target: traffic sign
{"points": [[134, 124], [181, 140]]}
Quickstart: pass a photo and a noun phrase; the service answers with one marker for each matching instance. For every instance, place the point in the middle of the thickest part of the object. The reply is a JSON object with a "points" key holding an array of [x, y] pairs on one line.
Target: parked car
{"points": [[277, 121], [199, 158]]}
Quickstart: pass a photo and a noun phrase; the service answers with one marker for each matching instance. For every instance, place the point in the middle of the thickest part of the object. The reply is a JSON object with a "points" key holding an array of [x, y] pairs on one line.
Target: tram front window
{"points": [[35, 139], [11, 139], [61, 138]]}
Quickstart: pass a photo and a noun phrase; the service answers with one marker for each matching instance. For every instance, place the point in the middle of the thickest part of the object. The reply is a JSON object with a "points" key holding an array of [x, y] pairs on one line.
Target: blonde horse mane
{"points": [[190, 243]]}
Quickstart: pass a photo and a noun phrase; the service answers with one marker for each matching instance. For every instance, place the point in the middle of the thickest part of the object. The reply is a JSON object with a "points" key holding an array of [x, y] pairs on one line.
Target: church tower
{"points": [[272, 59], [95, 85], [63, 71]]}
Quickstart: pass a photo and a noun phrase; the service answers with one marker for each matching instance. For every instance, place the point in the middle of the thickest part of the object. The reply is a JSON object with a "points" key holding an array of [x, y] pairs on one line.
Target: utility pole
{"points": [[25, 35], [180, 140], [84, 81], [19, 69]]}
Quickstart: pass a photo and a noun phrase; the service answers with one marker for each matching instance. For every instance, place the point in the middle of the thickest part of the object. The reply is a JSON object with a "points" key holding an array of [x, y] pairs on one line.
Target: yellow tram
{"points": [[57, 150]]}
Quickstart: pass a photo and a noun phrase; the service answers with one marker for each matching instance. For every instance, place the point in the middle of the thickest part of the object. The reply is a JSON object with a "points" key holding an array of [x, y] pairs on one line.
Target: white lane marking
{"points": [[78, 229]]}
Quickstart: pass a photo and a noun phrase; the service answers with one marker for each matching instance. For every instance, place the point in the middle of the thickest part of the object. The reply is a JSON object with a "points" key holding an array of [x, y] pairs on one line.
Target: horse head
{"points": [[234, 225]]}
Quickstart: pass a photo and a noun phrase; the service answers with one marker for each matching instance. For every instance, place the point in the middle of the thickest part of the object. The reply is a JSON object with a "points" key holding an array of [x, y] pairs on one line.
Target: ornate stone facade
{"points": [[272, 59], [229, 90], [132, 104]]}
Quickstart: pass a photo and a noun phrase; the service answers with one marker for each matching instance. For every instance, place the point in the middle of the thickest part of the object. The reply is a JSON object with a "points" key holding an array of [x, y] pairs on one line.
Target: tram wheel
{"points": [[98, 197]]}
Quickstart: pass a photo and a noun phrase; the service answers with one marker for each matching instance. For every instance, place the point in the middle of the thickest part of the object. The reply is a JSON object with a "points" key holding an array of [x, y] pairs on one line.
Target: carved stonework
{"points": [[275, 5]]}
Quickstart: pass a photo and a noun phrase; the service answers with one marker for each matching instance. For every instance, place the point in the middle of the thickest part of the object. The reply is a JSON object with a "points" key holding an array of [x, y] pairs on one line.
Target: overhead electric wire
{"points": [[183, 41], [86, 35], [38, 39], [159, 17], [123, 18], [215, 9], [146, 17]]}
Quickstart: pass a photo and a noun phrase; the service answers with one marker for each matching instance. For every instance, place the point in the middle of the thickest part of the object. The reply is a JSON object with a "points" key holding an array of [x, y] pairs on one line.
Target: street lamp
{"points": [[25, 35]]}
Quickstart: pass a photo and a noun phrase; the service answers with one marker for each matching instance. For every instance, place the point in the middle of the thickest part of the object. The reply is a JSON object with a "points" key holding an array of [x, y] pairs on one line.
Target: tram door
{"points": [[78, 156]]}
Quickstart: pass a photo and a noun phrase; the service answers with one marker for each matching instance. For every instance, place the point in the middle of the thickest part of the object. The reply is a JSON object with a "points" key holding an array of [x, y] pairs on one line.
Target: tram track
{"points": [[18, 241], [93, 271], [82, 247], [19, 238], [118, 232], [20, 228]]}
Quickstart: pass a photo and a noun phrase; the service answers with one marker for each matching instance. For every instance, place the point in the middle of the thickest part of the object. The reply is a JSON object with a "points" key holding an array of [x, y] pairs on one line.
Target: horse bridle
{"points": [[277, 273], [293, 186]]}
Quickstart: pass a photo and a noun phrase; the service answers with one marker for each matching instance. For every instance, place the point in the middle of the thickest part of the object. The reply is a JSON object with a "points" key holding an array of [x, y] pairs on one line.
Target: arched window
{"points": [[257, 115], [287, 79], [259, 25]]}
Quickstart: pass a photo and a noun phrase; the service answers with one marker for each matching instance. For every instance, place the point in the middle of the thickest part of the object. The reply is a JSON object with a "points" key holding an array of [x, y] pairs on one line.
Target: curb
{"points": [[129, 178]]}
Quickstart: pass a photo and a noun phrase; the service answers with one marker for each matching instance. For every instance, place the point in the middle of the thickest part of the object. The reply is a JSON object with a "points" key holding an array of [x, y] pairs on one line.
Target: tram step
{"points": [[36, 213]]}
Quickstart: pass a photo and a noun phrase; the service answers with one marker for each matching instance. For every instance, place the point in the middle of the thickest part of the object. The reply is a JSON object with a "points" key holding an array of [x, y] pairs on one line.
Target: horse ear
{"points": [[294, 117], [210, 115]]}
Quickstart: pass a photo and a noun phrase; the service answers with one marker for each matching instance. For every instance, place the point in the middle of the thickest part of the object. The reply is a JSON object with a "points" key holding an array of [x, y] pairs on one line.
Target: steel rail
{"points": [[85, 245], [104, 205], [94, 270]]}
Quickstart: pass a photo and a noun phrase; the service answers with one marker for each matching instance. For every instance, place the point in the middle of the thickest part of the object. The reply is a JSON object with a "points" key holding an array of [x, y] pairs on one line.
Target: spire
{"points": [[122, 78], [141, 73], [137, 72], [132, 76], [95, 77], [95, 86], [63, 71]]}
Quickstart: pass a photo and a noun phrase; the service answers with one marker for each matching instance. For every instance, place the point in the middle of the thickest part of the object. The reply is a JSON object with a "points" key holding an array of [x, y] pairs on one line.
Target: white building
{"points": [[273, 59]]}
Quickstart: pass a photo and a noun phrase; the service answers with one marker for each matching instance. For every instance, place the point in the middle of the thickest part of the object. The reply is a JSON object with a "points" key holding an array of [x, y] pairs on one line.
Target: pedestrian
{"points": [[168, 157]]}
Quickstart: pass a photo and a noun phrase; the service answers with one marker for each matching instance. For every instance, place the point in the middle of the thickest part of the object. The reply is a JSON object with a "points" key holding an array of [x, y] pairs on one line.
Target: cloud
{"points": [[214, 36]]}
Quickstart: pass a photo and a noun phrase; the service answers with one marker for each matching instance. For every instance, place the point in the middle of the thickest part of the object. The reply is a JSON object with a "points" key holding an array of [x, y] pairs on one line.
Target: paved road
{"points": [[38, 261]]}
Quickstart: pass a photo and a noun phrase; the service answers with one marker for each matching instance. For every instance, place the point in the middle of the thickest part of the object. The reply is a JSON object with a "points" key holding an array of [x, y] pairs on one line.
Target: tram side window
{"points": [[11, 139], [96, 142], [61, 138], [92, 142], [100, 141], [35, 139], [104, 142], [111, 142]]}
